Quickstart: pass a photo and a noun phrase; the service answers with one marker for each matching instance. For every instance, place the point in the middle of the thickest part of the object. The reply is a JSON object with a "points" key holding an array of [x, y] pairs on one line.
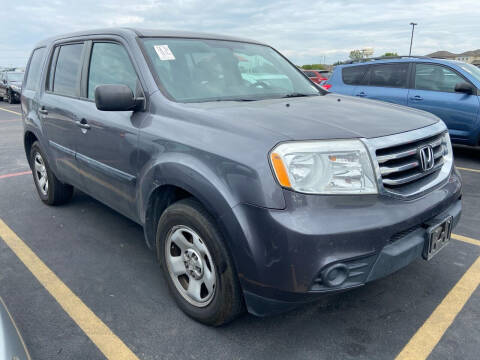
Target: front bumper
{"points": [[285, 253]]}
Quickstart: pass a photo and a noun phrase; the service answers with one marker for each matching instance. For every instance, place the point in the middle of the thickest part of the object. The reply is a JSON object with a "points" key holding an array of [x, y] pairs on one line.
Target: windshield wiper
{"points": [[297, 95]]}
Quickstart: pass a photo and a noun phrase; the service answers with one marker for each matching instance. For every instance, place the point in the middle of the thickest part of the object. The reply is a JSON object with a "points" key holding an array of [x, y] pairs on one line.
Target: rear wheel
{"points": [[197, 265], [50, 189]]}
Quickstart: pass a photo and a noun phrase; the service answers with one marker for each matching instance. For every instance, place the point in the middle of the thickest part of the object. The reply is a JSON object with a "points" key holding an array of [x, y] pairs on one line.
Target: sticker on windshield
{"points": [[164, 52]]}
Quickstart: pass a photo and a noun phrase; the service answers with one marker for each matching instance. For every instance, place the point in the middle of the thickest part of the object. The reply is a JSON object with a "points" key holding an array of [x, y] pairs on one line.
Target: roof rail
{"points": [[388, 58]]}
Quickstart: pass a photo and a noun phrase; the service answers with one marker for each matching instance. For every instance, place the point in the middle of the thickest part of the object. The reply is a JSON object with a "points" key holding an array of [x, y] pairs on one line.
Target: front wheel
{"points": [[50, 189], [197, 265], [10, 99]]}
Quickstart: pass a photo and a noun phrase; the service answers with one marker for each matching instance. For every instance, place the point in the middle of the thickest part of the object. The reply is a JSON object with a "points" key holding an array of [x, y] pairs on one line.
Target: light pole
{"points": [[411, 39]]}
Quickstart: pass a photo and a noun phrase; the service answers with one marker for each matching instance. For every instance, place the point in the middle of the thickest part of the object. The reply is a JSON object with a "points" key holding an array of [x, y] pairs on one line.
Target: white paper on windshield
{"points": [[164, 52]]}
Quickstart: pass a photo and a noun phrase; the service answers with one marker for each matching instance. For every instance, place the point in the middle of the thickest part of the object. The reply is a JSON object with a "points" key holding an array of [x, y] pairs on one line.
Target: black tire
{"points": [[10, 98], [57, 192], [227, 302]]}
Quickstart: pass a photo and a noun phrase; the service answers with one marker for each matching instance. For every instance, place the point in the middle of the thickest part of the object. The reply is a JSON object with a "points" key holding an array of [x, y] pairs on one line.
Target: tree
{"points": [[313, 67], [357, 55], [388, 54]]}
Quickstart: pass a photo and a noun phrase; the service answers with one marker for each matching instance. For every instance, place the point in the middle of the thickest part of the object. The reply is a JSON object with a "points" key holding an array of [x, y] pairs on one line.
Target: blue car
{"points": [[446, 88]]}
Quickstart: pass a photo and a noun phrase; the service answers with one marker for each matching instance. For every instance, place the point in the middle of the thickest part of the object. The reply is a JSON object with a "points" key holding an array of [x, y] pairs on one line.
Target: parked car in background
{"points": [[11, 86], [255, 188], [317, 76], [446, 88]]}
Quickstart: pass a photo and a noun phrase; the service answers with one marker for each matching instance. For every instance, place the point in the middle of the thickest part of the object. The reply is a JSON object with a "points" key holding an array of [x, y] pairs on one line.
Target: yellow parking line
{"points": [[427, 337], [466, 239], [10, 111], [106, 341], [468, 169]]}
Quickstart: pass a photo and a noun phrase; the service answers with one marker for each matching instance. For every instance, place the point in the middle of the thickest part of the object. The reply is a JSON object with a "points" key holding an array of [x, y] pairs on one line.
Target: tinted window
{"points": [[353, 75], [436, 78], [389, 75], [110, 64], [34, 69], [310, 74], [67, 70], [51, 71]]}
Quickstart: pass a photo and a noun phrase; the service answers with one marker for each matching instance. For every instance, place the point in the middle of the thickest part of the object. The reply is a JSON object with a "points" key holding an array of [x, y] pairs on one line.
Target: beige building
{"points": [[471, 57]]}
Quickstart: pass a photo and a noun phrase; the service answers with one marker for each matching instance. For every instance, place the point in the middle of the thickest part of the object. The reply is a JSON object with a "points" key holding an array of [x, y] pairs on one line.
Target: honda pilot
{"points": [[256, 189]]}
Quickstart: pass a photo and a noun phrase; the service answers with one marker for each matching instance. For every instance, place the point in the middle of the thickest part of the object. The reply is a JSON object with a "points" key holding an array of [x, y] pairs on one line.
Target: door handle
{"points": [[361, 94], [43, 111], [416, 98], [82, 124]]}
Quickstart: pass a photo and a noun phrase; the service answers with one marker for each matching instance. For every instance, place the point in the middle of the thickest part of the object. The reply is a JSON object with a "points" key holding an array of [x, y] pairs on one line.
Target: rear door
{"points": [[107, 143], [386, 82], [345, 80], [59, 105], [433, 90]]}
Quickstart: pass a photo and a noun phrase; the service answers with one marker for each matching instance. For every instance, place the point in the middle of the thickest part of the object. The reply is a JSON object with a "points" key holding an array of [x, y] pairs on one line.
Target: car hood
{"points": [[319, 117], [17, 83]]}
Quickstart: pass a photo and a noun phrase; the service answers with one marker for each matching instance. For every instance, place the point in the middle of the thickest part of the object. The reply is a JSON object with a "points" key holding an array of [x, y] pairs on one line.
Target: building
{"points": [[471, 57]]}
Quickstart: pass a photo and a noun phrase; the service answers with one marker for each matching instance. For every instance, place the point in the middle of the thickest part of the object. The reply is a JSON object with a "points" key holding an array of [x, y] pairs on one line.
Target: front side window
{"points": [[67, 70], [196, 70], [436, 78], [35, 69], [389, 75], [110, 64], [353, 75]]}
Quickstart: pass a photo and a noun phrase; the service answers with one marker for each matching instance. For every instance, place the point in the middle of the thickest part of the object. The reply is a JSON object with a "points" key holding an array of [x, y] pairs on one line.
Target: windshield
{"points": [[197, 70], [15, 76], [471, 69]]}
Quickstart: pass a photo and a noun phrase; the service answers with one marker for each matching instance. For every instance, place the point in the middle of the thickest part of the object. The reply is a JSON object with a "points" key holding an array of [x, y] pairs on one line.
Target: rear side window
{"points": [[110, 64], [389, 75], [353, 75], [35, 69], [67, 70], [436, 78]]}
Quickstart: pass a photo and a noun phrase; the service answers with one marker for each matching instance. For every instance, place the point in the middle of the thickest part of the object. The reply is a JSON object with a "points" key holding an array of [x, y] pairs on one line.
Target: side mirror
{"points": [[464, 87], [115, 98]]}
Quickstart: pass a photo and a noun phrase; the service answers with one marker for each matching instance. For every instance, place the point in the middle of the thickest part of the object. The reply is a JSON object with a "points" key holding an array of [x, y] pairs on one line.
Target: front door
{"points": [[107, 144], [434, 91]]}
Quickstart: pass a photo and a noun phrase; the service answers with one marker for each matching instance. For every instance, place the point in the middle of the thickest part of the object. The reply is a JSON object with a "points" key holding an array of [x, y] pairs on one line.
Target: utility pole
{"points": [[411, 39]]}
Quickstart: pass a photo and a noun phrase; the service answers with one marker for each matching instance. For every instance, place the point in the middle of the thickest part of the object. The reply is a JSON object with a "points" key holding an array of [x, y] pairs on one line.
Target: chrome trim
{"points": [[407, 179], [385, 170], [418, 188]]}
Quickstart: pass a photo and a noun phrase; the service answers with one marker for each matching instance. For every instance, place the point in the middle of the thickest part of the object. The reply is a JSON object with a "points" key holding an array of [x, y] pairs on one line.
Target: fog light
{"points": [[335, 275]]}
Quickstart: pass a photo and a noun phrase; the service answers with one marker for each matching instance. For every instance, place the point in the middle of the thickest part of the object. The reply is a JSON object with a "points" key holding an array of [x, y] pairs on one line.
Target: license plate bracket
{"points": [[438, 235]]}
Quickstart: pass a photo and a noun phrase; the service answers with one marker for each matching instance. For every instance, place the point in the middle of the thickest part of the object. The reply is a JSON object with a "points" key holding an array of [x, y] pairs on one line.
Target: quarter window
{"points": [[389, 75], [353, 75], [110, 64], [34, 69], [67, 70], [436, 78]]}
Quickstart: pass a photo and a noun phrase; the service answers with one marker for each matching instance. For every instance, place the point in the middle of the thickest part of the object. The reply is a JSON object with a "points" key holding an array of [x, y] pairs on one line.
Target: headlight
{"points": [[324, 167], [16, 88]]}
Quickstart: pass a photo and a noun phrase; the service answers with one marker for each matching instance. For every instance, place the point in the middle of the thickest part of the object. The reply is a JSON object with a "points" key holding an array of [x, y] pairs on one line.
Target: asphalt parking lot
{"points": [[101, 258]]}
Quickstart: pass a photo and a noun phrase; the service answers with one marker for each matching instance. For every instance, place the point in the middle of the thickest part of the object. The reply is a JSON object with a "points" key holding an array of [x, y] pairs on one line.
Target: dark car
{"points": [[248, 197], [317, 76], [11, 86]]}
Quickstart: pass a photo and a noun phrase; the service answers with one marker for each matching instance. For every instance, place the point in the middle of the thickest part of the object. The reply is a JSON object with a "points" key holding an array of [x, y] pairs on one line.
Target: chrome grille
{"points": [[400, 165]]}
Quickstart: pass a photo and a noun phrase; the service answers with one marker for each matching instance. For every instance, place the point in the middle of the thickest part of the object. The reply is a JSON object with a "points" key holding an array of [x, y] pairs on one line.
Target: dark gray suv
{"points": [[255, 188]]}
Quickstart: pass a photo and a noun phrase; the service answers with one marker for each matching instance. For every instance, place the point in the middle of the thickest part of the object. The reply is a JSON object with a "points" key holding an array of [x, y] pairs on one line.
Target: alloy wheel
{"points": [[40, 172]]}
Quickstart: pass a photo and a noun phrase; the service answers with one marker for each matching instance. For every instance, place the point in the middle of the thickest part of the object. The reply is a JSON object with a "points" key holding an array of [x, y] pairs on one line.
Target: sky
{"points": [[305, 31]]}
